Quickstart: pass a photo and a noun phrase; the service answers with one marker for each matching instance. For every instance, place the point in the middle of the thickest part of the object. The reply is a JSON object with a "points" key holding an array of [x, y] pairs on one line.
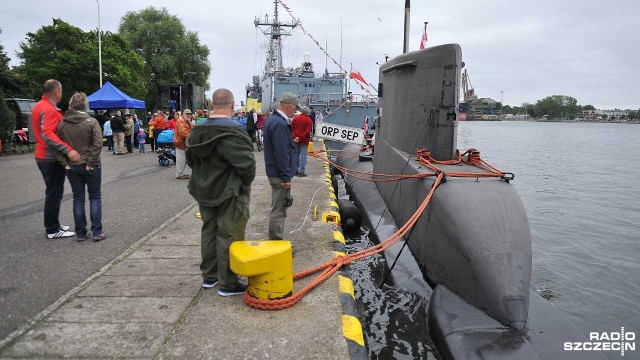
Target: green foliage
{"points": [[18, 149], [70, 55], [7, 122], [172, 54], [556, 107], [529, 109], [633, 115], [5, 74], [588, 107]]}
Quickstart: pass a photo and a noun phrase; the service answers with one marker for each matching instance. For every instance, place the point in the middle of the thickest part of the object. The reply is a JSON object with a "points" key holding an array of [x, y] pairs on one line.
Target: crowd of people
{"points": [[218, 147]]}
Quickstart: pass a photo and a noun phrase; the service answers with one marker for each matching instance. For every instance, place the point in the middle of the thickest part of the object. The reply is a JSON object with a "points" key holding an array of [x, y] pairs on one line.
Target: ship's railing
{"points": [[338, 75], [336, 98]]}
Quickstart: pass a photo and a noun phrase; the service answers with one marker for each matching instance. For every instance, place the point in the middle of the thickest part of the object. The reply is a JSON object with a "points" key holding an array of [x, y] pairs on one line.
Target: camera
{"points": [[288, 199]]}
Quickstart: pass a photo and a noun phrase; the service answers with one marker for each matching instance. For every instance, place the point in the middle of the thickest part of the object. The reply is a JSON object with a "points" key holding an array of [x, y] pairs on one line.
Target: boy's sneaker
{"points": [[61, 234], [65, 227], [99, 236], [239, 290], [209, 284], [81, 238], [302, 174]]}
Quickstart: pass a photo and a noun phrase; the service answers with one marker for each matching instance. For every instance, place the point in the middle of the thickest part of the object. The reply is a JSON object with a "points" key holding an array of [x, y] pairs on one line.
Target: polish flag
{"points": [[357, 77], [423, 42]]}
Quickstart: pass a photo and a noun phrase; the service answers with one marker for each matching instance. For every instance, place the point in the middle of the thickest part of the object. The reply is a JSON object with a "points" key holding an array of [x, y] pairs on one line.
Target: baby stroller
{"points": [[166, 150]]}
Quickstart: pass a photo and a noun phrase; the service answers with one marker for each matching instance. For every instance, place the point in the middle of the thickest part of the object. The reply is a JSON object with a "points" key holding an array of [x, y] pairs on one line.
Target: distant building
{"points": [[611, 113]]}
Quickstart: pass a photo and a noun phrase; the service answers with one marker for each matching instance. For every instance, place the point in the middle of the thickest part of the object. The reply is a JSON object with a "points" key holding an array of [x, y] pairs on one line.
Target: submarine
{"points": [[471, 247]]}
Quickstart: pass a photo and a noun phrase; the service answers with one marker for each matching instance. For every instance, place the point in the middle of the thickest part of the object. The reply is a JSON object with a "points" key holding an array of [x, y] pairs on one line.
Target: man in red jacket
{"points": [[301, 131], [45, 118]]}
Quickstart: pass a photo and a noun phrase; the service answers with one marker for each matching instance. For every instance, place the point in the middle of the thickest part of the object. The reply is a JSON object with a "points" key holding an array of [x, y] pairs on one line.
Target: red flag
{"points": [[423, 42], [356, 76], [366, 124]]}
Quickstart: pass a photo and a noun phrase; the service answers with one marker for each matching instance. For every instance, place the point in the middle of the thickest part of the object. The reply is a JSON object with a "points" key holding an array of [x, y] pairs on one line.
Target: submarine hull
{"points": [[472, 244], [459, 329], [474, 237]]}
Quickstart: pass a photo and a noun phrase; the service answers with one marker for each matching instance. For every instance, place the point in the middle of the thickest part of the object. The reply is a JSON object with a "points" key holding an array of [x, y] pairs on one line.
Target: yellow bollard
{"points": [[267, 264], [310, 148]]}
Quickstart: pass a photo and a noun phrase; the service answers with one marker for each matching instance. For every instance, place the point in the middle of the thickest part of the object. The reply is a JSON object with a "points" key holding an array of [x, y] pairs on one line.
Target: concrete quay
{"points": [[148, 303]]}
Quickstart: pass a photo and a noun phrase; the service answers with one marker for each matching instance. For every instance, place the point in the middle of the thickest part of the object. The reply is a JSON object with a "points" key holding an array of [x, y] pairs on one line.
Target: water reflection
{"points": [[394, 320]]}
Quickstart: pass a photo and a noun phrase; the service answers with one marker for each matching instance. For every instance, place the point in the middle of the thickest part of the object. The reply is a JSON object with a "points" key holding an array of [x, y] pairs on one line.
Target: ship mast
{"points": [[275, 31]]}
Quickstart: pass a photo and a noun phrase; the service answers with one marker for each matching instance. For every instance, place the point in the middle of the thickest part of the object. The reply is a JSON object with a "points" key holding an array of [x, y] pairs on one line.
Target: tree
{"points": [[172, 54], [5, 74], [70, 55], [557, 106], [588, 107], [7, 118], [7, 122], [530, 110]]}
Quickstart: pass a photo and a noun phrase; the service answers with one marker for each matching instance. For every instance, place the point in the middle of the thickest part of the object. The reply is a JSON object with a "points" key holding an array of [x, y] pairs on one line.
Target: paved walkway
{"points": [[148, 302]]}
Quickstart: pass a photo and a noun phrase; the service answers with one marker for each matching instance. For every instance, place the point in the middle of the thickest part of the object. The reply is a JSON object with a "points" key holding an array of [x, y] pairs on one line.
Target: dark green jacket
{"points": [[222, 163]]}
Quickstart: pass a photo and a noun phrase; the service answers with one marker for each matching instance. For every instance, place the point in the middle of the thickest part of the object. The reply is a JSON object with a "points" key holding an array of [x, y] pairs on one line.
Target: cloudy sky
{"points": [[587, 49]]}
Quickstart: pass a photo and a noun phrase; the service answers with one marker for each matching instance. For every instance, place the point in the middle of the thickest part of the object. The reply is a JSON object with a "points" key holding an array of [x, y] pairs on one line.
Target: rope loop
{"points": [[423, 156]]}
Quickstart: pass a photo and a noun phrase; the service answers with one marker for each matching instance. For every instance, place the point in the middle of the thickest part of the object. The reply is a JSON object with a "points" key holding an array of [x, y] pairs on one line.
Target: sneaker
{"points": [[81, 238], [61, 234], [209, 284], [302, 174], [99, 236], [64, 227], [239, 290]]}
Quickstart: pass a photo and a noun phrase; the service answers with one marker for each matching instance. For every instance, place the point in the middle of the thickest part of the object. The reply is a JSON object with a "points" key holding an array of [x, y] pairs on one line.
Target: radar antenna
{"points": [[275, 31]]}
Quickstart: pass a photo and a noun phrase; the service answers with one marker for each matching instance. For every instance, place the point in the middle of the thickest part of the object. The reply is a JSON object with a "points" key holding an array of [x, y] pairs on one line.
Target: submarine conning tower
{"points": [[473, 241]]}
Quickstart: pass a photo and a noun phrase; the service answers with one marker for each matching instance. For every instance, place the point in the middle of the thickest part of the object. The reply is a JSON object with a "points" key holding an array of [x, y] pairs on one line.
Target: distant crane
{"points": [[468, 93]]}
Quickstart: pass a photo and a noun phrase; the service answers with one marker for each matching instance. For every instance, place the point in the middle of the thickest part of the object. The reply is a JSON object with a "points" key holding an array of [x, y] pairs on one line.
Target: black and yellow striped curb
{"points": [[351, 325]]}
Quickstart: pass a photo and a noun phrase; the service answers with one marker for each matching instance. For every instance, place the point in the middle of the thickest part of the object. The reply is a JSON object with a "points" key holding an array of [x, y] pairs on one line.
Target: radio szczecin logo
{"points": [[606, 341]]}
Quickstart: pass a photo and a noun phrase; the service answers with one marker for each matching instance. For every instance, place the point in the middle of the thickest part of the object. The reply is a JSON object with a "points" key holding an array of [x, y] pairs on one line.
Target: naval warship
{"points": [[327, 92]]}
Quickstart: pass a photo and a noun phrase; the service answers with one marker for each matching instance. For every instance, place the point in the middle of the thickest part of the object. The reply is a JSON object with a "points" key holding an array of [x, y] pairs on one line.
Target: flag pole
{"points": [[349, 80], [423, 40]]}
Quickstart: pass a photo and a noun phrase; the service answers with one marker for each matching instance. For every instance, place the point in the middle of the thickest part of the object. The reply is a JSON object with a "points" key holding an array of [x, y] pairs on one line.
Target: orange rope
{"points": [[331, 267]]}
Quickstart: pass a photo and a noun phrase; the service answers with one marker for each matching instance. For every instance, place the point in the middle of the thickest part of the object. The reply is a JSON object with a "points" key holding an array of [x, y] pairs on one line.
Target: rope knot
{"points": [[343, 260]]}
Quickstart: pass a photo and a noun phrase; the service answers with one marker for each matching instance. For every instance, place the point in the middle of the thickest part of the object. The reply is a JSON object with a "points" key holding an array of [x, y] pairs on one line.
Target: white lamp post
{"points": [[99, 44]]}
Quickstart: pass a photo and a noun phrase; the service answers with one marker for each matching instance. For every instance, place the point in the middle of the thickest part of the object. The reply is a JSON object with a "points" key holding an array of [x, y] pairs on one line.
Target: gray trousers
{"points": [[181, 161], [278, 210]]}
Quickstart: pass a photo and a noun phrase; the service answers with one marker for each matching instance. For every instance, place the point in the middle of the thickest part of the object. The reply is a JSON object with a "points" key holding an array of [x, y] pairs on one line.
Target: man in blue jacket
{"points": [[279, 160]]}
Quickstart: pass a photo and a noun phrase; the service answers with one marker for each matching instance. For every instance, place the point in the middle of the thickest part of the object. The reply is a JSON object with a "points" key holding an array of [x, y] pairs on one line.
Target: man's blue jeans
{"points": [[78, 178], [301, 156]]}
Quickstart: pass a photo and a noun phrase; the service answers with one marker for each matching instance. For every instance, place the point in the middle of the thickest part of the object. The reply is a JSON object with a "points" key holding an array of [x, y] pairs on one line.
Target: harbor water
{"points": [[580, 185]]}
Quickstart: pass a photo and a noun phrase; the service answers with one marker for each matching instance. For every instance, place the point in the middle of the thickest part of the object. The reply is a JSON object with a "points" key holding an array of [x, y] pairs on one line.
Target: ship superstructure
{"points": [[327, 93]]}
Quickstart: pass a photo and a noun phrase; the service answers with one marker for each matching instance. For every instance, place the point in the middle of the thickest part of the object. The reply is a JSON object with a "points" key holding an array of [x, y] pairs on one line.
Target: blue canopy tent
{"points": [[110, 97]]}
